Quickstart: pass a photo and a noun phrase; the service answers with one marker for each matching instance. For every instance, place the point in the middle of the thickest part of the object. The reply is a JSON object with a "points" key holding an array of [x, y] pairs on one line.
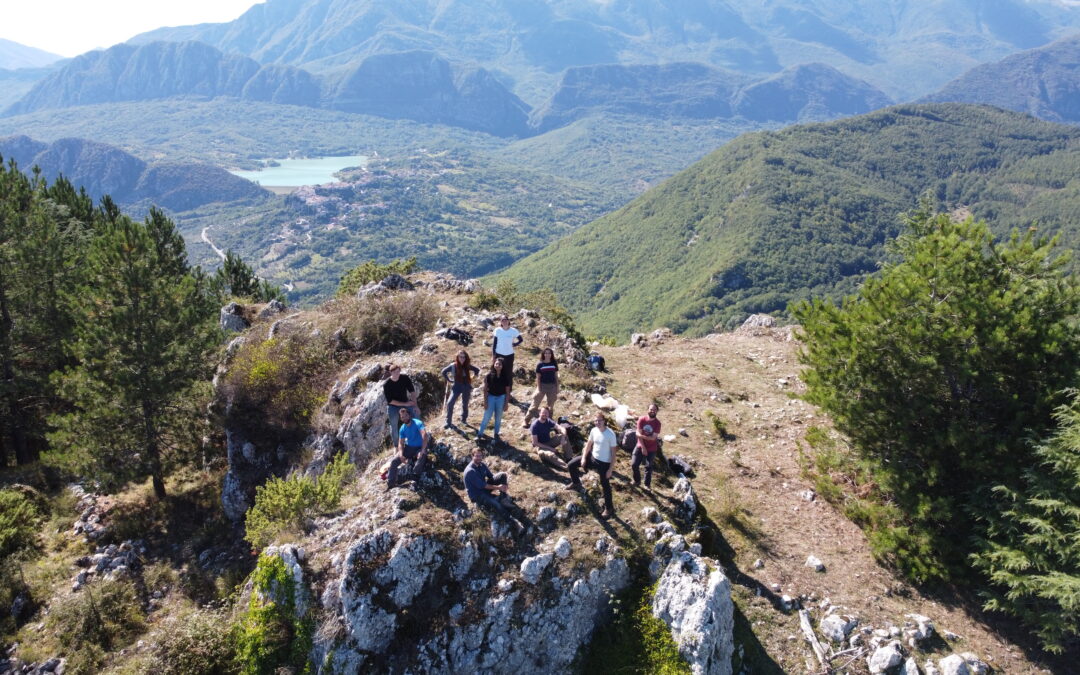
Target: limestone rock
{"points": [[231, 319], [364, 425], [886, 658], [954, 664], [273, 307], [562, 548], [836, 627], [815, 563], [533, 567], [694, 599], [683, 492], [910, 667], [975, 664]]}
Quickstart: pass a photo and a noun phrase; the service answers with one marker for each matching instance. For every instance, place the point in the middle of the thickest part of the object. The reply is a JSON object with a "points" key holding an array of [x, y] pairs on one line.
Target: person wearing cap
{"points": [[648, 435], [599, 456]]}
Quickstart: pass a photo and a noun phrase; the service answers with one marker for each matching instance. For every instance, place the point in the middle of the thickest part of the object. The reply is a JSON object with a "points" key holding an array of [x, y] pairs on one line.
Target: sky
{"points": [[71, 27]]}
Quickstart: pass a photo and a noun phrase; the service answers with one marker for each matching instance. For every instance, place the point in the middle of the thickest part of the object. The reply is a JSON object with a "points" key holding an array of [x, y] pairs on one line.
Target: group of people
{"points": [[550, 439]]}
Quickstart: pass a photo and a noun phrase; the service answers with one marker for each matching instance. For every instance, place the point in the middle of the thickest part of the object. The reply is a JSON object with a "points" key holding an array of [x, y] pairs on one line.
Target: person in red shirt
{"points": [[648, 435]]}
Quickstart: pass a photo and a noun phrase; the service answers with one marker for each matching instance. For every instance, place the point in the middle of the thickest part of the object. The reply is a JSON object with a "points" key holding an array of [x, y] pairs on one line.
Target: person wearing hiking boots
{"points": [[413, 441], [503, 341], [648, 436], [599, 456], [487, 490], [550, 440], [547, 384], [458, 376]]}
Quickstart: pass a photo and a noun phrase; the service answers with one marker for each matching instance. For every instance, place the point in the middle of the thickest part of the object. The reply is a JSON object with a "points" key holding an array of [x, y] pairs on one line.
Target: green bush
{"points": [[196, 643], [1031, 551], [281, 380], [364, 274], [507, 298], [288, 504], [269, 635], [940, 368], [19, 518], [637, 642]]}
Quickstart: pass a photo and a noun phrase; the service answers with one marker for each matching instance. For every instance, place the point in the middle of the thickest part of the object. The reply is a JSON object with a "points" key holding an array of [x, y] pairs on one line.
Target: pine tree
{"points": [[235, 278], [941, 366], [1031, 552], [143, 330]]}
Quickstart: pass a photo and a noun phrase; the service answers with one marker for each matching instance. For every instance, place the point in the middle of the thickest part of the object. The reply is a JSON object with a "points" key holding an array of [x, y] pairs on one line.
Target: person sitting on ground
{"points": [[400, 395], [598, 455], [495, 391], [413, 441], [648, 436], [547, 384], [458, 376], [503, 340], [486, 489], [549, 437]]}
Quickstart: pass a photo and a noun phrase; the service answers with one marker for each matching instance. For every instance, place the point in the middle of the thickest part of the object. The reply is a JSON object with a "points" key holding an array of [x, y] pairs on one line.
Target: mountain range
{"points": [[103, 169], [906, 48], [1043, 82], [14, 56], [803, 212]]}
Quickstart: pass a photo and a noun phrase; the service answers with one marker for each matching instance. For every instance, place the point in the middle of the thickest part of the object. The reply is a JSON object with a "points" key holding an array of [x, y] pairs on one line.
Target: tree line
{"points": [[105, 329]]}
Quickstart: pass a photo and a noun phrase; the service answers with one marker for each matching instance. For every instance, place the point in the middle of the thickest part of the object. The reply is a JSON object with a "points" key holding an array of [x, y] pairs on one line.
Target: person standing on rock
{"points": [[400, 395], [503, 341], [495, 391], [598, 455], [547, 384], [549, 438], [458, 376], [487, 490], [648, 436], [413, 440]]}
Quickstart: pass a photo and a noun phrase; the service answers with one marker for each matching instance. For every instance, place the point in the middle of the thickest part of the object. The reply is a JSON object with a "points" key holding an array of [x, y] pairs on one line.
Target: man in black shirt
{"points": [[400, 394]]}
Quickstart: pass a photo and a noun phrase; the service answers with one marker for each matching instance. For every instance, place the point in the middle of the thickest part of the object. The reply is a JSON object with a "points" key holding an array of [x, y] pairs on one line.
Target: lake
{"points": [[296, 172]]}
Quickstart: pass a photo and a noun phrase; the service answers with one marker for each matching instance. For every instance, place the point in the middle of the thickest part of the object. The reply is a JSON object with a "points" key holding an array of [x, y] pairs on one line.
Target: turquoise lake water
{"points": [[296, 172]]}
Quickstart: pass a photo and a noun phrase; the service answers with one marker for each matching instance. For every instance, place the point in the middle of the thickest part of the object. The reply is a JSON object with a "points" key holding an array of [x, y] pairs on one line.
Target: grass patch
{"points": [[637, 643]]}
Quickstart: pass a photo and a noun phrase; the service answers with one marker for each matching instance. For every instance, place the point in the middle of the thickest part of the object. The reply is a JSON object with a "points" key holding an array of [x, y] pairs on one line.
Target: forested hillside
{"points": [[778, 216]]}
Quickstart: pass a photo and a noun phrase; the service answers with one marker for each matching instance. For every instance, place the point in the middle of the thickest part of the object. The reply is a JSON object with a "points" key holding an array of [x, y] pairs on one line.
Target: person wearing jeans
{"points": [[413, 440], [485, 489], [494, 398], [458, 376], [400, 395], [648, 435], [599, 456]]}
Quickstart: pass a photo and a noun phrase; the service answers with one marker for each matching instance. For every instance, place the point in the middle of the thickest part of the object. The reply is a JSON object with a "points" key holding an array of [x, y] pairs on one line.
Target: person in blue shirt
{"points": [[486, 489], [413, 440]]}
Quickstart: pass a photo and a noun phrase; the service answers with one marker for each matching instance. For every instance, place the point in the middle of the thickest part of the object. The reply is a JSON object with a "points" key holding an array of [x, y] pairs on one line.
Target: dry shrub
{"points": [[388, 322]]}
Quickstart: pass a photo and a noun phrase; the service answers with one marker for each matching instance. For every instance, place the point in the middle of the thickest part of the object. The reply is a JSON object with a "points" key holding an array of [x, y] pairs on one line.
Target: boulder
{"points": [[272, 308], [533, 567], [693, 597], [683, 492], [562, 548], [836, 627], [954, 664], [231, 319], [910, 667], [364, 425], [886, 658]]}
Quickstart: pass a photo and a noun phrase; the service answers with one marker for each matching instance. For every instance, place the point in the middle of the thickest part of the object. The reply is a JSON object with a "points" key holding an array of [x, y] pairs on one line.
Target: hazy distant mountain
{"points": [[14, 55], [813, 92], [103, 169], [808, 93], [1043, 82], [904, 47], [415, 85]]}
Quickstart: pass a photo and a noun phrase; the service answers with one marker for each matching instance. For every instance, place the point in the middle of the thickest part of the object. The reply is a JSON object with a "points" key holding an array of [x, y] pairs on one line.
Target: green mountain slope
{"points": [[775, 216]]}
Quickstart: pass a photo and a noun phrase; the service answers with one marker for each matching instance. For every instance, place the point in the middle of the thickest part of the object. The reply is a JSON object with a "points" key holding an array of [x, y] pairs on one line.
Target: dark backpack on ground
{"points": [[596, 362], [459, 336]]}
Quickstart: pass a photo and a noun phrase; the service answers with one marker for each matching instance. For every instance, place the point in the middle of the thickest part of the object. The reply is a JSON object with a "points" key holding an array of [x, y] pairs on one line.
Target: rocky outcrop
{"points": [[693, 597]]}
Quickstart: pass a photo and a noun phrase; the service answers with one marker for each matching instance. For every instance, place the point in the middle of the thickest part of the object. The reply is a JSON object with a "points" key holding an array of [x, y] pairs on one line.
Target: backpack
{"points": [[459, 336], [596, 362]]}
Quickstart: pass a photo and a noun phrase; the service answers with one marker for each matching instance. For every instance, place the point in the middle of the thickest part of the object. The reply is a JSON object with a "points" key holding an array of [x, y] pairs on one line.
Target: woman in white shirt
{"points": [[598, 455]]}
